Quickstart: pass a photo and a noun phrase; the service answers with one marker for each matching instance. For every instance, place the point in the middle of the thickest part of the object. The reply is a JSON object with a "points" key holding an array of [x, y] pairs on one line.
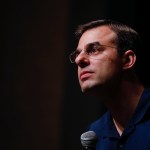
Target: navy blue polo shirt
{"points": [[136, 135]]}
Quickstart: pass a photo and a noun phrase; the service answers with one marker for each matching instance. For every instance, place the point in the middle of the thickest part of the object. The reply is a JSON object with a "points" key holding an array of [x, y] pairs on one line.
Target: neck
{"points": [[122, 104]]}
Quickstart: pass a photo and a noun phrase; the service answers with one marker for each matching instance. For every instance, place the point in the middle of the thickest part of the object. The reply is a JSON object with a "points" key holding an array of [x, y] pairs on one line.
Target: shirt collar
{"points": [[109, 129], [143, 106]]}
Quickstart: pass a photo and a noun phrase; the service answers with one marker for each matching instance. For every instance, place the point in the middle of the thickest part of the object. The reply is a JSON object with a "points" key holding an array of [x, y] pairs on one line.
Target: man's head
{"points": [[126, 37], [105, 50]]}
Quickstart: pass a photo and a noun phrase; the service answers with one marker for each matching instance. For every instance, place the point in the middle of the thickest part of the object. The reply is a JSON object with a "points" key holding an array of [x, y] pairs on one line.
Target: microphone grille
{"points": [[89, 139]]}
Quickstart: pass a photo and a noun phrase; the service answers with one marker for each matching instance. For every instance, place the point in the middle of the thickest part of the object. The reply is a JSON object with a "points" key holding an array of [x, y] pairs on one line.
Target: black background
{"points": [[42, 107]]}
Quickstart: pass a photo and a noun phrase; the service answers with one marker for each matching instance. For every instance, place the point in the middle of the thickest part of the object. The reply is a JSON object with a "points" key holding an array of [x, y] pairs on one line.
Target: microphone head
{"points": [[89, 140]]}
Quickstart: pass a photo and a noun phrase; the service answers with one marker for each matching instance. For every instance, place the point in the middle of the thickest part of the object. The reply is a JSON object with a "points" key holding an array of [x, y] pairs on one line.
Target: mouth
{"points": [[85, 75]]}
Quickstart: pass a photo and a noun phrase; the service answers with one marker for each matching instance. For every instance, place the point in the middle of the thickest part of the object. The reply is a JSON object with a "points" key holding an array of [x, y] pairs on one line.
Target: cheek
{"points": [[107, 67]]}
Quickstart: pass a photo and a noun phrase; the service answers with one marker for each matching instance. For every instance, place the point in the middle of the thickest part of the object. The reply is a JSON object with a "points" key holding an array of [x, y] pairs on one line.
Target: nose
{"points": [[82, 60]]}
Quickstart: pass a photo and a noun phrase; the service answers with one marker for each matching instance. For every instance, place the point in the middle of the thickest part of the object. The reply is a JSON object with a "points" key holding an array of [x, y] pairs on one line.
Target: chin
{"points": [[92, 89], [88, 89], [87, 85]]}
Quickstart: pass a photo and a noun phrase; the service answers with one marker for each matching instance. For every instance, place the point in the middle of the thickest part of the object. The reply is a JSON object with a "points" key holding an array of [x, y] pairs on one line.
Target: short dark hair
{"points": [[126, 37]]}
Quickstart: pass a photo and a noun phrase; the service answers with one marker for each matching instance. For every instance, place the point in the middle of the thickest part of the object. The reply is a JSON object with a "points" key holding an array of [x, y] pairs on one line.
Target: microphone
{"points": [[89, 140]]}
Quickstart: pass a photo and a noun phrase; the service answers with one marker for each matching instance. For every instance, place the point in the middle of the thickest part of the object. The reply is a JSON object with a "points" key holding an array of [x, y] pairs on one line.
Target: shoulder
{"points": [[145, 98]]}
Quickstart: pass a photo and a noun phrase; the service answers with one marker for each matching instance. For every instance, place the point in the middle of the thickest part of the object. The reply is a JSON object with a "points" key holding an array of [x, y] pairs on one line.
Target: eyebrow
{"points": [[89, 44], [92, 43]]}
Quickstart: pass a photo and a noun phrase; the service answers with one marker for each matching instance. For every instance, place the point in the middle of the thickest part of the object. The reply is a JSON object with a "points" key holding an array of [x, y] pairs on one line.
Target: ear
{"points": [[129, 59]]}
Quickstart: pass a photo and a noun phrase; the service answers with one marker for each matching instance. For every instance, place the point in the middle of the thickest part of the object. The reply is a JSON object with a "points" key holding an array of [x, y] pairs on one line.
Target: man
{"points": [[106, 56]]}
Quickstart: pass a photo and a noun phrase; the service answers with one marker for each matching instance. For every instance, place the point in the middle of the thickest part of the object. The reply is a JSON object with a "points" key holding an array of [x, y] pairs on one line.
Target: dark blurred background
{"points": [[41, 106]]}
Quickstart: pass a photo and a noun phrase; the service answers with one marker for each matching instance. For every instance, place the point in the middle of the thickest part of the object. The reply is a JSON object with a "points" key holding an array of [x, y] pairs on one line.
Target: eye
{"points": [[93, 49]]}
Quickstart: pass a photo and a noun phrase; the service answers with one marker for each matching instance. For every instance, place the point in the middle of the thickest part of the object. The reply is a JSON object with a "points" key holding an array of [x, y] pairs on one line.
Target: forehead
{"points": [[102, 34]]}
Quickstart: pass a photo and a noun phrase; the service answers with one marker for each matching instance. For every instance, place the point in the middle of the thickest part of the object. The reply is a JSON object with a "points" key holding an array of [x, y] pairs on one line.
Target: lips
{"points": [[85, 75]]}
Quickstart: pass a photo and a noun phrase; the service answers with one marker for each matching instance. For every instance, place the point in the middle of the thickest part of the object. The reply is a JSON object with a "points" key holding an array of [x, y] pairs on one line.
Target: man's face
{"points": [[102, 69]]}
